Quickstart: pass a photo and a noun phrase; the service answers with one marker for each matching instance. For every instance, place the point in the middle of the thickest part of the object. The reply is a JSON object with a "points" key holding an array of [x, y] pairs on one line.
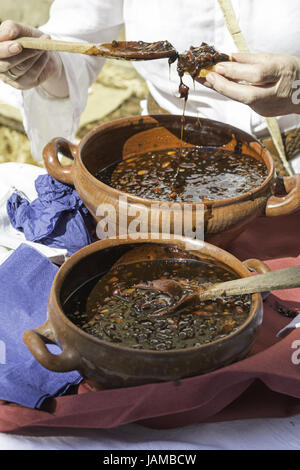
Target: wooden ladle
{"points": [[288, 278], [128, 50]]}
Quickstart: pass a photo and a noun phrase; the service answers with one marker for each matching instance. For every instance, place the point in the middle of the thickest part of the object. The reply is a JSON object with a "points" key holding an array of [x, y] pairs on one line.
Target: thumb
{"points": [[247, 94]]}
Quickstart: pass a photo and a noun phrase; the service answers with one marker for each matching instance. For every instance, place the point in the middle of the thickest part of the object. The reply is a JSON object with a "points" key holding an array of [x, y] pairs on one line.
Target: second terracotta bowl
{"points": [[223, 220], [105, 364]]}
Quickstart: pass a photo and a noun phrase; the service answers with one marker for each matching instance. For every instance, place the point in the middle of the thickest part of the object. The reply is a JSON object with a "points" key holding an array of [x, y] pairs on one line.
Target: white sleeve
{"points": [[93, 21]]}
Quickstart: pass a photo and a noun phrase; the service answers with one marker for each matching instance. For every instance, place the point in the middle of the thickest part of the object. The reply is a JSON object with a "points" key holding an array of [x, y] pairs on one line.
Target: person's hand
{"points": [[28, 68], [262, 81]]}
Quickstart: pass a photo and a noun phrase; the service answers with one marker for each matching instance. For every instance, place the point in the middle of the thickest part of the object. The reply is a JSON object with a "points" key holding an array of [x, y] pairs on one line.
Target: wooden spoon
{"points": [[288, 278], [128, 50]]}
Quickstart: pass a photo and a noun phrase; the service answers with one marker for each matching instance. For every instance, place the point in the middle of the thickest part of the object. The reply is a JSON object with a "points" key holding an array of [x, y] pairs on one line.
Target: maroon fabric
{"points": [[265, 384]]}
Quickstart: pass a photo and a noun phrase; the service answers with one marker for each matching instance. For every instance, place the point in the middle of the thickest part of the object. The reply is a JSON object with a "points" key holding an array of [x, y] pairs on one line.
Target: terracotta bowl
{"points": [[223, 220], [106, 364]]}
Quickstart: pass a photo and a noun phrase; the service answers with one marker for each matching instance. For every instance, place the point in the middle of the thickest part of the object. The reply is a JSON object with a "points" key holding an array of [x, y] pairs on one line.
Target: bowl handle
{"points": [[286, 204], [258, 266], [36, 341], [63, 173]]}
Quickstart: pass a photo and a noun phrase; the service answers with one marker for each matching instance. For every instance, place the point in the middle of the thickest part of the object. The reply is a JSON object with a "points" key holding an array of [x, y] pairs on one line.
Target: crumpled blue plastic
{"points": [[57, 218], [25, 281]]}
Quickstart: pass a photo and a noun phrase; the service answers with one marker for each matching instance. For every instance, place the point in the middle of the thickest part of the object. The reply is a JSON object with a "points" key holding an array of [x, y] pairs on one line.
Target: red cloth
{"points": [[265, 384]]}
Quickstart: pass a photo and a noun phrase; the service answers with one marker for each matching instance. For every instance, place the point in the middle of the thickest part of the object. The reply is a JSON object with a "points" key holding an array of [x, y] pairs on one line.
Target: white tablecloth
{"points": [[256, 434]]}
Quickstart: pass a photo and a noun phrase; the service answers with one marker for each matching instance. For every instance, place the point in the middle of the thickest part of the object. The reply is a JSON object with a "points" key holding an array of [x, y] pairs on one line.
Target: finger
{"points": [[46, 36], [248, 58], [5, 78], [9, 49], [247, 94], [257, 74], [10, 30], [23, 67], [14, 61], [11, 62], [32, 78], [35, 75]]}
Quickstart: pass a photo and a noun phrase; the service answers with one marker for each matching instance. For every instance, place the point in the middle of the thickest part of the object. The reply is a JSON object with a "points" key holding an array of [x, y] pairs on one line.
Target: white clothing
{"points": [[271, 27]]}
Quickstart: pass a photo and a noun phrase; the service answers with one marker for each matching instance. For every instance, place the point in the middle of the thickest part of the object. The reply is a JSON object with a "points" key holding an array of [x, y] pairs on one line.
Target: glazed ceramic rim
{"points": [[139, 200], [65, 270]]}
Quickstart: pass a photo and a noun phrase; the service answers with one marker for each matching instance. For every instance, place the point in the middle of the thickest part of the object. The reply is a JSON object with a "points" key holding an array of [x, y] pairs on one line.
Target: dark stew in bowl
{"points": [[113, 309], [186, 174]]}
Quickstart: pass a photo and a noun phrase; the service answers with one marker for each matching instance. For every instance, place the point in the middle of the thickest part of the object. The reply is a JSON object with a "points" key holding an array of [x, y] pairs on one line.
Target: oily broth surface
{"points": [[186, 174], [112, 310]]}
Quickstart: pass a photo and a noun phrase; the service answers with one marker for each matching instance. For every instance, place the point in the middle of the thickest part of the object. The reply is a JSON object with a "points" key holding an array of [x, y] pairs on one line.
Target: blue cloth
{"points": [[57, 218], [25, 281]]}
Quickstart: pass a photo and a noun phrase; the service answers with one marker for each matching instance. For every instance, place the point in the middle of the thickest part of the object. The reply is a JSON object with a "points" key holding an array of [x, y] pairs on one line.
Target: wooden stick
{"points": [[282, 279], [59, 46], [288, 278], [127, 50]]}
